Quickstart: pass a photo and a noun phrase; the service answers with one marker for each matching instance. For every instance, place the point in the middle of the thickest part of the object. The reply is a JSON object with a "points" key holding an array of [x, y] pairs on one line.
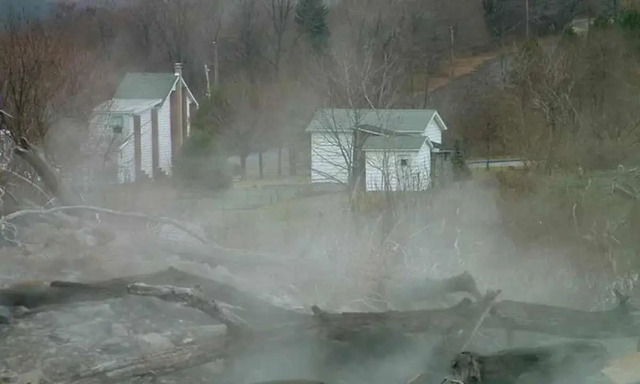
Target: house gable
{"points": [[146, 86], [150, 86], [434, 128]]}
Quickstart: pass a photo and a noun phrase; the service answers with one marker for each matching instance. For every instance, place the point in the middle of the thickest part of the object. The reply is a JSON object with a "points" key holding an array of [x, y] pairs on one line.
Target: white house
{"points": [[142, 128], [398, 146]]}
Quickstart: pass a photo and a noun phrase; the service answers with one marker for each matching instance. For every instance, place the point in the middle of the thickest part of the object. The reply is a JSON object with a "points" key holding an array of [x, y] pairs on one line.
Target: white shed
{"points": [[398, 147], [141, 129]]}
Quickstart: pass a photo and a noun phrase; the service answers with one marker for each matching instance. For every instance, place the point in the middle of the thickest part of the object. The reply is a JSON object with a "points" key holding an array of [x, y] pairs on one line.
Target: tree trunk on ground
{"points": [[459, 336], [265, 324], [38, 297], [570, 360], [508, 315], [36, 160], [565, 322]]}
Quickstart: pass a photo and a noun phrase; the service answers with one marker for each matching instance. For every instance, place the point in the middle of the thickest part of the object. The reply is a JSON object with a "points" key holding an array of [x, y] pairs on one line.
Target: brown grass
{"points": [[462, 66], [148, 197]]}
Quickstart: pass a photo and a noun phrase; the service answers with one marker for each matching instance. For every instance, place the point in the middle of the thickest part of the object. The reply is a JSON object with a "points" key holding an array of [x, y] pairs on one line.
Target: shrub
{"points": [[201, 165]]}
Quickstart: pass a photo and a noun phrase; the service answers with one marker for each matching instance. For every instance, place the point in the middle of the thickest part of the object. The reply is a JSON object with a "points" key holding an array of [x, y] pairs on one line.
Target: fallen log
{"points": [[462, 283], [41, 296], [621, 321], [428, 292], [32, 156], [340, 326], [544, 364], [457, 339], [193, 298]]}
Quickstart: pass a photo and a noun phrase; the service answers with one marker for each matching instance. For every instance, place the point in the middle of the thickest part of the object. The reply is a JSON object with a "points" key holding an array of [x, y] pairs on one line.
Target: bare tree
{"points": [[171, 21], [363, 83], [45, 74], [280, 12], [33, 67]]}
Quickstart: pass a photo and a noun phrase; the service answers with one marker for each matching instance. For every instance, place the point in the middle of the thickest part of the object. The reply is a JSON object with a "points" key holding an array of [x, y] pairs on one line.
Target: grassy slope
{"points": [[586, 213]]}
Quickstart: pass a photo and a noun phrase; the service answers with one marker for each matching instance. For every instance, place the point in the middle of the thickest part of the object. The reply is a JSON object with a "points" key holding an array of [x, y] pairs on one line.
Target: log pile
{"points": [[260, 323]]}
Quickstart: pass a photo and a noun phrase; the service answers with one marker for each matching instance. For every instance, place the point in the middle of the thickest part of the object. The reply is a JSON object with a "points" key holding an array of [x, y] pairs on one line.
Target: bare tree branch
{"points": [[132, 215], [191, 297]]}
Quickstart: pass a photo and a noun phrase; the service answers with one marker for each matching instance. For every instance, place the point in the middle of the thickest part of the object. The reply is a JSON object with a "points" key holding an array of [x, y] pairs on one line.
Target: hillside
{"points": [[545, 16]]}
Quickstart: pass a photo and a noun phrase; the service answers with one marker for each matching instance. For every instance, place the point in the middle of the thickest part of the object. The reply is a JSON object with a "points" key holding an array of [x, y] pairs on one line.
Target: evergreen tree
{"points": [[494, 15], [311, 17], [202, 164], [629, 20]]}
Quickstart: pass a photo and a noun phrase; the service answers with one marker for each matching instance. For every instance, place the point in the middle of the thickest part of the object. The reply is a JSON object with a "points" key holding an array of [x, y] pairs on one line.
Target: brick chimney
{"points": [[177, 113]]}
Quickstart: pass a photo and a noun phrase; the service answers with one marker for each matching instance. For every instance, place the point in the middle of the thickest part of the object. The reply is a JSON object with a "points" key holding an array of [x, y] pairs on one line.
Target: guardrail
{"points": [[495, 163]]}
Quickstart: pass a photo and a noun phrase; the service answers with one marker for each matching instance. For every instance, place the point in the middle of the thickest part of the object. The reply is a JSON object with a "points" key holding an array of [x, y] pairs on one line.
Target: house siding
{"points": [[146, 144], [126, 160], [423, 159], [187, 111], [328, 162], [125, 155], [164, 137], [433, 131], [379, 173], [384, 172]]}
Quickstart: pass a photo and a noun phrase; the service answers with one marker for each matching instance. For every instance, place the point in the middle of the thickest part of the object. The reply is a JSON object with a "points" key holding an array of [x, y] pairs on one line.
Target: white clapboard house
{"points": [[400, 147], [140, 130]]}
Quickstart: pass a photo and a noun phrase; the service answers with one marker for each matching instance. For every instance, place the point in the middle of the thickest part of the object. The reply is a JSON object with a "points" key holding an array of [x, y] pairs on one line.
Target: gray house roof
{"points": [[146, 86], [127, 106], [149, 86], [398, 120], [395, 143]]}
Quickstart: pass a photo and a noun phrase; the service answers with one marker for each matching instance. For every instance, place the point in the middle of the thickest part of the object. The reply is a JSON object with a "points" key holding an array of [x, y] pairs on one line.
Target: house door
{"points": [[404, 174]]}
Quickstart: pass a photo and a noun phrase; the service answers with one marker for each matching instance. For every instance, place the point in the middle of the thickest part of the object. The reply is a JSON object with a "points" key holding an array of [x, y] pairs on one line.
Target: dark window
{"points": [[116, 124], [404, 162]]}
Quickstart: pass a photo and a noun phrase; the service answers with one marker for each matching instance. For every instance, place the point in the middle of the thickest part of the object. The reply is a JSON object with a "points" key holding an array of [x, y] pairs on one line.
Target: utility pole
{"points": [[527, 17], [216, 82], [206, 76], [451, 52]]}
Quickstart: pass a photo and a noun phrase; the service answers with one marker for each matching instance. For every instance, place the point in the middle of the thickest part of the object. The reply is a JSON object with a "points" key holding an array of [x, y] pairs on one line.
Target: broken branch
{"points": [[42, 296], [49, 177], [131, 215], [579, 358], [193, 298]]}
